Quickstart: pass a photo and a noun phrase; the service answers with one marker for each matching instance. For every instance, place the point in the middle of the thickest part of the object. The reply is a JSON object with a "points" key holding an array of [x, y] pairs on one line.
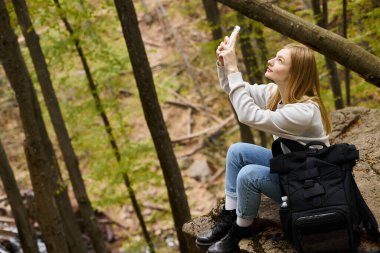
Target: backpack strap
{"points": [[277, 150], [292, 145], [369, 220]]}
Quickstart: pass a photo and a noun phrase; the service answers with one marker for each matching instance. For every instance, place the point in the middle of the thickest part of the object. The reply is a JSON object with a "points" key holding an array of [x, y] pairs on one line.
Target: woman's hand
{"points": [[219, 50], [226, 56]]}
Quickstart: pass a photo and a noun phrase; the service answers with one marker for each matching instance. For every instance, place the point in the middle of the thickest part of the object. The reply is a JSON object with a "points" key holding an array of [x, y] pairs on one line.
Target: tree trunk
{"points": [[108, 127], [346, 70], [59, 188], [70, 158], [39, 164], [249, 57], [245, 131], [262, 46], [330, 44], [154, 118], [213, 18], [24, 228], [322, 21], [212, 14], [62, 200], [250, 62]]}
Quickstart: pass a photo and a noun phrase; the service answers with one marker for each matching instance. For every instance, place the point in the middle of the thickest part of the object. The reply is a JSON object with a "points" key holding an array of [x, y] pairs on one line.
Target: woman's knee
{"points": [[234, 150], [246, 176], [253, 176]]}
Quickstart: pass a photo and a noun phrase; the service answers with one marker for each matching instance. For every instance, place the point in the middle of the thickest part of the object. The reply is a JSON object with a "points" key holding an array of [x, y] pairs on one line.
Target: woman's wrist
{"points": [[231, 70]]}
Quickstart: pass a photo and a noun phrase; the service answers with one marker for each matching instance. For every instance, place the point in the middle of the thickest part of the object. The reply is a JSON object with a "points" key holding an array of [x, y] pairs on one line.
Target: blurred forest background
{"points": [[180, 42]]}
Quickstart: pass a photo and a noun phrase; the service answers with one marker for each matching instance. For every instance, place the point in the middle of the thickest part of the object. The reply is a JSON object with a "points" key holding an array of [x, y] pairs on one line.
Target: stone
{"points": [[199, 170]]}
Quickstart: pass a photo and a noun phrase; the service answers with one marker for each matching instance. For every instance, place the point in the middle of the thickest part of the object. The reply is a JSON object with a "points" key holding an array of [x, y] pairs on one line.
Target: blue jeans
{"points": [[248, 175]]}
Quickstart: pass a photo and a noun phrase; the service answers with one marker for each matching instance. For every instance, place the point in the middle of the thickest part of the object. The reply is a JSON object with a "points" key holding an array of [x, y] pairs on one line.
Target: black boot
{"points": [[230, 242], [206, 239]]}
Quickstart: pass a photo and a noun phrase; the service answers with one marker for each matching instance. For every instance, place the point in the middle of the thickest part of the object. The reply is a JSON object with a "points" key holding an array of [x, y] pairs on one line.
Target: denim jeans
{"points": [[248, 175]]}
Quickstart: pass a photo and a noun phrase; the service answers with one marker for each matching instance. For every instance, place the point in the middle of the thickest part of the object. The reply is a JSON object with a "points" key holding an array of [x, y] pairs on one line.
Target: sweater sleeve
{"points": [[223, 80], [259, 93], [292, 119]]}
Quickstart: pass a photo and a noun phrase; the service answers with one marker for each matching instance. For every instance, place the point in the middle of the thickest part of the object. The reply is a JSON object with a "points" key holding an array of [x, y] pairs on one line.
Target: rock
{"points": [[199, 170], [358, 126]]}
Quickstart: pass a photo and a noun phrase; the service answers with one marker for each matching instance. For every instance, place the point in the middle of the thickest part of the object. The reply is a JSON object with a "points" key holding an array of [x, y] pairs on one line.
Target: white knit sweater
{"points": [[301, 122]]}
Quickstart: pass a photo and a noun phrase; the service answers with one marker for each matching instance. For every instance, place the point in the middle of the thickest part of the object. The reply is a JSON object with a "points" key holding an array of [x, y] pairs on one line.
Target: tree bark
{"points": [[346, 70], [24, 228], [327, 43], [249, 57], [250, 61], [71, 227], [213, 17], [107, 125], [70, 158], [251, 68], [154, 118], [39, 163], [322, 21], [262, 48], [212, 14]]}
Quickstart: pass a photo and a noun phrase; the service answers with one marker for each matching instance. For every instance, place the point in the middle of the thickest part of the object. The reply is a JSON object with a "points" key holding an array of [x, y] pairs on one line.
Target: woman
{"points": [[291, 108]]}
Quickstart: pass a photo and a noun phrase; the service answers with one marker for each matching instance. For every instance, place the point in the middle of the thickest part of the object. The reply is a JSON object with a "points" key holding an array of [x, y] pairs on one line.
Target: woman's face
{"points": [[279, 66]]}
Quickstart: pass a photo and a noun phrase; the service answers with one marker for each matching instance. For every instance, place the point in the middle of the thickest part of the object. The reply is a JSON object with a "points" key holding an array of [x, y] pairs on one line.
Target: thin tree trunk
{"points": [[346, 70], [245, 131], [70, 158], [108, 127], [24, 228], [249, 57], [71, 228], [213, 18], [262, 46], [335, 83], [39, 163], [250, 61], [212, 15], [154, 118], [250, 67], [325, 42], [322, 21]]}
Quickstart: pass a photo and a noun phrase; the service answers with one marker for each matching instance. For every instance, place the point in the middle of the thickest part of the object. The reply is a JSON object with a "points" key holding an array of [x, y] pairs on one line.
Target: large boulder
{"points": [[358, 126]]}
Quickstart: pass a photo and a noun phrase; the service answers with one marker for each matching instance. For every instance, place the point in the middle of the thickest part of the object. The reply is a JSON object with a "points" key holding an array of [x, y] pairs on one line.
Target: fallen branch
{"points": [[200, 145], [157, 208], [196, 107], [208, 131], [152, 43]]}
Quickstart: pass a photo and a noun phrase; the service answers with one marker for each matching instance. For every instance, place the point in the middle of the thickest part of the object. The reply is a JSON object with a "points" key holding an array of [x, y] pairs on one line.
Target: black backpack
{"points": [[323, 209]]}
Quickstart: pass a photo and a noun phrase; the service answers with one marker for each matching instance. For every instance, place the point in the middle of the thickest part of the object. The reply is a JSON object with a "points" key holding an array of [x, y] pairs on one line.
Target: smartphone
{"points": [[234, 35]]}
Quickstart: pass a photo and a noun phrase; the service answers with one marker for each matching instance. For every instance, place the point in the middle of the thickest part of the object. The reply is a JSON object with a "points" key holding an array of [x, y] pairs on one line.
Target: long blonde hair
{"points": [[303, 83]]}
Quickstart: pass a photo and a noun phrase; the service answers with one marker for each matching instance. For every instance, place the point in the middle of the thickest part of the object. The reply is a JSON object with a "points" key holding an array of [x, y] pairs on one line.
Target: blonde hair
{"points": [[303, 83]]}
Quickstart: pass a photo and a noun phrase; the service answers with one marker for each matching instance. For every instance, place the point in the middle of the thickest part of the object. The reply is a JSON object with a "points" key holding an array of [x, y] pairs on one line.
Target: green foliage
{"points": [[364, 26]]}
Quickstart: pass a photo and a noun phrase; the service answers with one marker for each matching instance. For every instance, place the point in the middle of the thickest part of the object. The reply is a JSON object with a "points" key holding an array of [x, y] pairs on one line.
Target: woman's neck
{"points": [[282, 89]]}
